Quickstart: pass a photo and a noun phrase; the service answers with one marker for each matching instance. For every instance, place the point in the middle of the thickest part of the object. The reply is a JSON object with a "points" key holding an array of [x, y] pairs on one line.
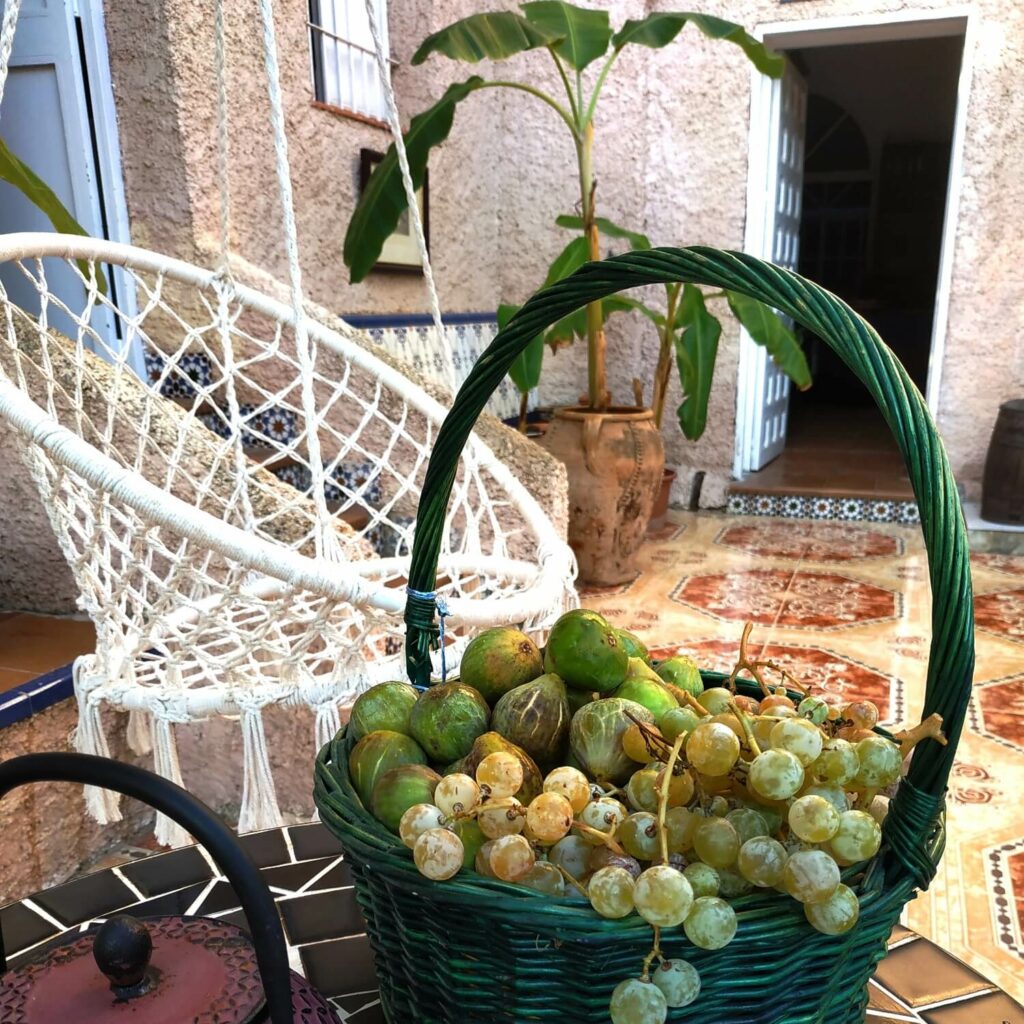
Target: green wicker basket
{"points": [[474, 949]]}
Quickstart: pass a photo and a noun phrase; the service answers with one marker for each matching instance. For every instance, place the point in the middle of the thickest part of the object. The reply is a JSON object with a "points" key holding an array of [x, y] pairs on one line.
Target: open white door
{"points": [[773, 233], [55, 118]]}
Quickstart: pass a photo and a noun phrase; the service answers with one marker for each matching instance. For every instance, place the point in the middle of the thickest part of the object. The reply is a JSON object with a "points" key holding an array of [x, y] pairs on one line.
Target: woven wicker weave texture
{"points": [[475, 949]]}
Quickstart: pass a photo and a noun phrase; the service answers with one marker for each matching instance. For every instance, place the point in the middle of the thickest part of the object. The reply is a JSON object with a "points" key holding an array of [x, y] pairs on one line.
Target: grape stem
{"points": [[751, 665], [597, 834], [695, 704], [666, 782], [741, 716], [655, 954], [572, 881], [930, 728]]}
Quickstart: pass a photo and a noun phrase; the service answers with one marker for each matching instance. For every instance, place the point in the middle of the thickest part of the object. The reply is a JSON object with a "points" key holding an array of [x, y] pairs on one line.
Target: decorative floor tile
{"points": [[999, 706], [814, 542], [797, 600], [1001, 613], [1009, 565], [798, 506]]}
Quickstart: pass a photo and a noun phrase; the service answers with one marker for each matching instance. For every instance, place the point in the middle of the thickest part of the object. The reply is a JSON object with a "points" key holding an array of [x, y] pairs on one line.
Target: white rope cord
{"points": [[220, 50], [384, 71], [326, 541], [11, 8]]}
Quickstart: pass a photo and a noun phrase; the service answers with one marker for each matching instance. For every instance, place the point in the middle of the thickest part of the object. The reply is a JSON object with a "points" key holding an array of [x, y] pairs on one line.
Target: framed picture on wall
{"points": [[400, 251]]}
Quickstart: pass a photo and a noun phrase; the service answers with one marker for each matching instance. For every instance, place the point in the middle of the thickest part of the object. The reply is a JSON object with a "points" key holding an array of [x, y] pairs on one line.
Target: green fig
{"points": [[595, 738], [384, 706], [499, 660], [377, 753], [652, 693], [399, 789], [633, 645], [681, 671], [446, 720], [535, 716], [585, 651]]}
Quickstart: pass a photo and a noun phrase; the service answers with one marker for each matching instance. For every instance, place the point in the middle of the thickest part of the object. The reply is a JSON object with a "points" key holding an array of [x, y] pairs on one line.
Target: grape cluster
{"points": [[729, 795]]}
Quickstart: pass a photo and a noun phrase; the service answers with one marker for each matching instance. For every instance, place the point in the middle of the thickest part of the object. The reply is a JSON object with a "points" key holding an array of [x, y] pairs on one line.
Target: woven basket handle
{"points": [[951, 665]]}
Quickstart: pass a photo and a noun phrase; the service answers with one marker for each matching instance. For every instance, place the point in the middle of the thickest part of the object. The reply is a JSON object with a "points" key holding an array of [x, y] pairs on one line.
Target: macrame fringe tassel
{"points": [[138, 733], [89, 737], [259, 797], [165, 764]]}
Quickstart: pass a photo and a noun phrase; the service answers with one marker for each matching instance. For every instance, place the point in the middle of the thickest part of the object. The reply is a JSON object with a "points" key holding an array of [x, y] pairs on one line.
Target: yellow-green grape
{"points": [[511, 857], [549, 817], [717, 843], [762, 727], [880, 762], [779, 711], [438, 854], [611, 892], [713, 748], [862, 714], [634, 744], [638, 1002], [703, 879], [472, 839], [605, 815], [501, 772], [641, 789], [679, 982], [416, 820], [719, 807], [570, 783], [638, 835], [544, 877], [678, 722], [663, 896], [572, 854], [814, 709], [711, 923], [748, 823], [777, 699], [776, 774], [799, 737], [813, 819], [680, 788], [730, 721], [837, 763], [810, 876], [681, 823], [457, 794], [503, 817], [731, 884], [761, 861], [837, 914], [834, 794], [858, 838], [715, 700], [482, 859]]}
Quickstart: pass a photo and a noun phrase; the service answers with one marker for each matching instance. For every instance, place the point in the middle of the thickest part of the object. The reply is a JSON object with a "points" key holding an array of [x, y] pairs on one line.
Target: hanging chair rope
{"points": [[10, 23], [384, 71]]}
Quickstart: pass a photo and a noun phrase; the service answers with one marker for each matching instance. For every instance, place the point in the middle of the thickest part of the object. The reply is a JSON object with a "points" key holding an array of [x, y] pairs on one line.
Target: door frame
{"points": [[960, 20]]}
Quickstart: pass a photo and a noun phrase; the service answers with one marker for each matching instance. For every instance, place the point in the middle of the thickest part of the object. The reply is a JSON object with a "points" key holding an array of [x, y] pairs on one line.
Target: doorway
{"points": [[880, 133], [58, 116]]}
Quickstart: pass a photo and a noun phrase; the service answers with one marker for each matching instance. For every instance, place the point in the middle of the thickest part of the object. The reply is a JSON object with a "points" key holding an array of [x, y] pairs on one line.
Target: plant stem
{"points": [[666, 782], [543, 97], [596, 380], [524, 400], [598, 85], [664, 367], [565, 83]]}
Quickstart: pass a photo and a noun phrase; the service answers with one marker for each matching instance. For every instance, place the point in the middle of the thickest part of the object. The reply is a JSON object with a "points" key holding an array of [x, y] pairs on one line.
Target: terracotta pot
{"points": [[614, 461], [660, 510]]}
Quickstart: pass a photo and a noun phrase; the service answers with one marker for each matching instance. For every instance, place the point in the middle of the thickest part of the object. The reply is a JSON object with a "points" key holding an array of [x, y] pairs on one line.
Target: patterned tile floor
{"points": [[846, 606]]}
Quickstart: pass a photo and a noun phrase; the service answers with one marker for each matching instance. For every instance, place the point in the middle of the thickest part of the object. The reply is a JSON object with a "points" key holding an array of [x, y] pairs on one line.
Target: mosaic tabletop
{"points": [[303, 865]]}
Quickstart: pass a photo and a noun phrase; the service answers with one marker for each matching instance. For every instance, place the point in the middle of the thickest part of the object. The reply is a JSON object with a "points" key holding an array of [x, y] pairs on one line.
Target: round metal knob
{"points": [[122, 948]]}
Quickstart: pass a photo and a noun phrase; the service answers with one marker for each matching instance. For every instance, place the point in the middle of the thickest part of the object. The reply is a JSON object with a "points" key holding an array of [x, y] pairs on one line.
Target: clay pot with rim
{"points": [[614, 460]]}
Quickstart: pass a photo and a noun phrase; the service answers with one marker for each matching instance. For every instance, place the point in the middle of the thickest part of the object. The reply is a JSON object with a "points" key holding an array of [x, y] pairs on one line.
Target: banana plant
{"points": [[584, 48], [16, 172]]}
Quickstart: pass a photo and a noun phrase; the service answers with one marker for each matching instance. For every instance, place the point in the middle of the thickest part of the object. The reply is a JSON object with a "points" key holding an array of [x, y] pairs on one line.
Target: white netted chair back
{"points": [[239, 527]]}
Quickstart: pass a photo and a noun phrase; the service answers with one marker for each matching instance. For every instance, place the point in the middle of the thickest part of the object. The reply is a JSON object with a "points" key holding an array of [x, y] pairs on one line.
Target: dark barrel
{"points": [[1002, 491]]}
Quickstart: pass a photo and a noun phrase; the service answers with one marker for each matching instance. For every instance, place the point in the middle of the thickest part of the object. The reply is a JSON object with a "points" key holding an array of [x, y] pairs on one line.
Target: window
{"points": [[344, 64]]}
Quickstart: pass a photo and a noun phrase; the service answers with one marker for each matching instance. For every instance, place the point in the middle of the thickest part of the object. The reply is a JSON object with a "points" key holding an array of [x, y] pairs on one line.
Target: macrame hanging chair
{"points": [[239, 526]]}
